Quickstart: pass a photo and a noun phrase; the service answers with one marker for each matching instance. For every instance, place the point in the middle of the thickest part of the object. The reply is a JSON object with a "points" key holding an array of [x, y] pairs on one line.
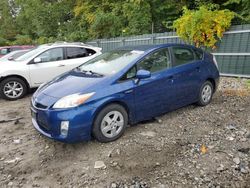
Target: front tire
{"points": [[110, 123], [13, 88], [206, 93]]}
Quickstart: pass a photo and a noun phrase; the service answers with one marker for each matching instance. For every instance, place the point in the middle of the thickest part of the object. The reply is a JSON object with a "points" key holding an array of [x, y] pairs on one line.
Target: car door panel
{"points": [[51, 65], [155, 95], [187, 76], [44, 72]]}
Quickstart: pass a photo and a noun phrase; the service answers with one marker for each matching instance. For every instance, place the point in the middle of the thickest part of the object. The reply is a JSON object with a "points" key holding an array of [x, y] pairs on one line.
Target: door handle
{"points": [[61, 65]]}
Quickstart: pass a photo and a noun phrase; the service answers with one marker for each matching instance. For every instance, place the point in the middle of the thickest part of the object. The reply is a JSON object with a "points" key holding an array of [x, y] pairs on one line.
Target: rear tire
{"points": [[206, 93], [110, 123], [13, 88]]}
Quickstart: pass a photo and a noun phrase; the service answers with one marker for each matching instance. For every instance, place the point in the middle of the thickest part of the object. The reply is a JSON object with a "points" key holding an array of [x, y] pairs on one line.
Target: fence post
{"points": [[123, 42], [153, 39], [98, 43]]}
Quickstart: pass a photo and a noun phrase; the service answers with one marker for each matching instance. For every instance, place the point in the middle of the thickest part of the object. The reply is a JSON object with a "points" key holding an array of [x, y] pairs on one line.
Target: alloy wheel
{"points": [[13, 89], [206, 93], [112, 124]]}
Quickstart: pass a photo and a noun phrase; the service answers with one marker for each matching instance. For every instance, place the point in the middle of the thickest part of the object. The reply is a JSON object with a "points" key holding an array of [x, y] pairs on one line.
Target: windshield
{"points": [[110, 62], [31, 53]]}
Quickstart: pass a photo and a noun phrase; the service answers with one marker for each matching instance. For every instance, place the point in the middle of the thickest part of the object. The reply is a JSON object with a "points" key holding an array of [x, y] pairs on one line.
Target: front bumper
{"points": [[48, 123]]}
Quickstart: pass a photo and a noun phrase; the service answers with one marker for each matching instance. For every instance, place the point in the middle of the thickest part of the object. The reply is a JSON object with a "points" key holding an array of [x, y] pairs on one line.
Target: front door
{"points": [[52, 64], [153, 96]]}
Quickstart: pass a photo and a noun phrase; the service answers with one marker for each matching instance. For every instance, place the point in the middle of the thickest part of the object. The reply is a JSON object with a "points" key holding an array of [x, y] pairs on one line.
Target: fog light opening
{"points": [[64, 128]]}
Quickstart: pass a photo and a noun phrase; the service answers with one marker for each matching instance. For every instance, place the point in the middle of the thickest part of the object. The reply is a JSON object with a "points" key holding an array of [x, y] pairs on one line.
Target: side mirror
{"points": [[143, 74], [37, 60]]}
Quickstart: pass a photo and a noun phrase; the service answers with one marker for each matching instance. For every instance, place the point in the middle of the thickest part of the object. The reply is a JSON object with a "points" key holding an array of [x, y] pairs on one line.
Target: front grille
{"points": [[42, 123]]}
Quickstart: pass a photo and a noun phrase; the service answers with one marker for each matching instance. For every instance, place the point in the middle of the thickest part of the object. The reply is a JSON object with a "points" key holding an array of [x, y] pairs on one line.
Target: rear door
{"points": [[186, 72], [52, 64]]}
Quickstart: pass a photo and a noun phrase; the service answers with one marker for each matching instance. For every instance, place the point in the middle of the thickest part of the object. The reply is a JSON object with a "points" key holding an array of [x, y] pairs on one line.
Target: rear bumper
{"points": [[48, 123]]}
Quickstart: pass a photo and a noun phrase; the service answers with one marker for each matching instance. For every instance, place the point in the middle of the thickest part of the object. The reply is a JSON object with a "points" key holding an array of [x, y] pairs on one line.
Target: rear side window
{"points": [[90, 51], [75, 52], [182, 55]]}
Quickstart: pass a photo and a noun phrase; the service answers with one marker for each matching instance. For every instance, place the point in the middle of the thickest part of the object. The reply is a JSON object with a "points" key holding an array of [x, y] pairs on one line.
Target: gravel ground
{"points": [[190, 147]]}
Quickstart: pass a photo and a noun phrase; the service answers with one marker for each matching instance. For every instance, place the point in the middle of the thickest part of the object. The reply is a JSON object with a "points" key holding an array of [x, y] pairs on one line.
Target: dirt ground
{"points": [[190, 147]]}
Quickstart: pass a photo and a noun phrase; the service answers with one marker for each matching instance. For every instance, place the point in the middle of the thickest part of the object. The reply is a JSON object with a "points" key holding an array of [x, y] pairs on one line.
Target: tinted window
{"points": [[55, 54], [182, 55], [75, 52], [90, 52], [156, 61]]}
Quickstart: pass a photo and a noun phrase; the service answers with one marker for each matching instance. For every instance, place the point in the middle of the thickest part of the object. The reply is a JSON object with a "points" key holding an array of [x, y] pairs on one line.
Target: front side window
{"points": [[130, 74], [182, 55], [55, 54], [75, 52], [156, 61]]}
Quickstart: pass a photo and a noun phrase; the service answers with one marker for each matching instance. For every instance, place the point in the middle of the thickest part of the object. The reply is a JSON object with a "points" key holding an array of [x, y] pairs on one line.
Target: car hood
{"points": [[71, 83]]}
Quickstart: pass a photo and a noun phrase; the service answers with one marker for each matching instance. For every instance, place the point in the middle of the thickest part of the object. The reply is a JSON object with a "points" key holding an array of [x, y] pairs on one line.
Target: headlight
{"points": [[71, 101]]}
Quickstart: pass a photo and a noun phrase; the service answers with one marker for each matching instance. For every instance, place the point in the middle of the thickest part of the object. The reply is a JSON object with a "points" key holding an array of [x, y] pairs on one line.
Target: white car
{"points": [[41, 65]]}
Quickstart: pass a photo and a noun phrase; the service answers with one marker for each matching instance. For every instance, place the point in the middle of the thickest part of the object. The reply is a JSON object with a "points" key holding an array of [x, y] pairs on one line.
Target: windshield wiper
{"points": [[88, 72], [94, 73]]}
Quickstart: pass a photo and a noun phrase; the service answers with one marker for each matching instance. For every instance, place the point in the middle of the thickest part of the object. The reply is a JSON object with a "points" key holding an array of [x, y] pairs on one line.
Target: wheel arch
{"points": [[16, 76], [212, 82], [107, 103]]}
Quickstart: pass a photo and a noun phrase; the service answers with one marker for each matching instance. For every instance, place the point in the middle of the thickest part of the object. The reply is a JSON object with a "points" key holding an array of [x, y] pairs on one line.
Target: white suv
{"points": [[40, 65]]}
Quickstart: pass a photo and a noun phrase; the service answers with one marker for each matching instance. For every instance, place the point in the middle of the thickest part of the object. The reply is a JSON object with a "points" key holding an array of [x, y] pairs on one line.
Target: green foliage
{"points": [[203, 27], [105, 25], [23, 39], [3, 42], [45, 21]]}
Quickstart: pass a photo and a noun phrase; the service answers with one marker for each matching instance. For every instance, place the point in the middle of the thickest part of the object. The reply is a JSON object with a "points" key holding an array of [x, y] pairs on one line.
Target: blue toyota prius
{"points": [[124, 86]]}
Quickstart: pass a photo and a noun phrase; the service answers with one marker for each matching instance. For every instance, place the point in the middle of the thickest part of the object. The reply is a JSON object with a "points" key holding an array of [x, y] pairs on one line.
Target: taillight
{"points": [[214, 61]]}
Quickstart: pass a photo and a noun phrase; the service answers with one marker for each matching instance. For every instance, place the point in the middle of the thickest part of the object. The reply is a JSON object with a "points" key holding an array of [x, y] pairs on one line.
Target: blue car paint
{"points": [[164, 91]]}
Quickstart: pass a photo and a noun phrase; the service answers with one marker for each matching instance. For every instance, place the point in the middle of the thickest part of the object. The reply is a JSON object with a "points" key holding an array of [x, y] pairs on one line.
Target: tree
{"points": [[203, 27], [8, 27]]}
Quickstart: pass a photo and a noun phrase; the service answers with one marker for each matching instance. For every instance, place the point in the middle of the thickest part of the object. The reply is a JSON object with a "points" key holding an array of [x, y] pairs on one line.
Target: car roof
{"points": [[67, 44], [153, 47]]}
